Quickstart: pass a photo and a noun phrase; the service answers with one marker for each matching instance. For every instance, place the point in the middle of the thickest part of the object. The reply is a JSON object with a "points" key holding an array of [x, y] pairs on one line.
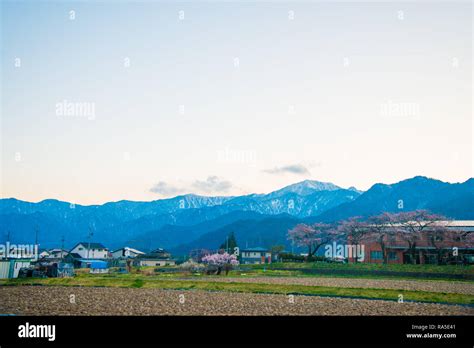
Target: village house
{"points": [[43, 254], [73, 258], [255, 256], [157, 257], [90, 250], [57, 254], [126, 253]]}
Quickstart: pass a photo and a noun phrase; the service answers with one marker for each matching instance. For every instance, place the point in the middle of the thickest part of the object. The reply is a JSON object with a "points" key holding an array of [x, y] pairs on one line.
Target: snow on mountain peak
{"points": [[305, 188]]}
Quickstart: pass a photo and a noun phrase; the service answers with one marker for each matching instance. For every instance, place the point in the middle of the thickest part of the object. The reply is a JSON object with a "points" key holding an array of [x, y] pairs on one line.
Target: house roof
{"points": [[57, 250], [159, 251], [75, 255], [91, 245], [426, 248], [157, 254], [99, 264], [130, 249], [469, 224]]}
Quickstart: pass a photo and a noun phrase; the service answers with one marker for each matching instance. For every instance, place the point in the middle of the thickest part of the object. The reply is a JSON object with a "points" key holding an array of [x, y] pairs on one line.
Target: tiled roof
{"points": [[92, 245]]}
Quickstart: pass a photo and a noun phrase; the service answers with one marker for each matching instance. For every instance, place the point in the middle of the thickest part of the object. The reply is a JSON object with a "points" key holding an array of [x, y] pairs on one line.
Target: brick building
{"points": [[428, 249]]}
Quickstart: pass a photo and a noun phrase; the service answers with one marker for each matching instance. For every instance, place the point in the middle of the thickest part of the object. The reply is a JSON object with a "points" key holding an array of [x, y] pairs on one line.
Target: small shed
{"points": [[96, 266], [11, 268], [61, 270]]}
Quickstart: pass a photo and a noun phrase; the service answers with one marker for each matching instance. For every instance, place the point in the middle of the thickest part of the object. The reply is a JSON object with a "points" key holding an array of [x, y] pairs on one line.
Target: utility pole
{"points": [[36, 234], [7, 254], [62, 248], [90, 237], [7, 250]]}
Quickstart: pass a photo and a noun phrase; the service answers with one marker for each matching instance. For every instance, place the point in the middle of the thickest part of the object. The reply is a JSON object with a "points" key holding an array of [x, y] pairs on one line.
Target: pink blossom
{"points": [[220, 259]]}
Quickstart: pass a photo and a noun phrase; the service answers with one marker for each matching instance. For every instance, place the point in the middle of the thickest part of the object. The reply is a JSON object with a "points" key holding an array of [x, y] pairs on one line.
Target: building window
{"points": [[392, 255], [376, 255]]}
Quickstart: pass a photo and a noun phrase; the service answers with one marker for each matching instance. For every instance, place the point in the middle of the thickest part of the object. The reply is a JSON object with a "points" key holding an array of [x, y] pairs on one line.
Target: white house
{"points": [[57, 254], [158, 257], [43, 254], [90, 250], [126, 252], [256, 256], [154, 262]]}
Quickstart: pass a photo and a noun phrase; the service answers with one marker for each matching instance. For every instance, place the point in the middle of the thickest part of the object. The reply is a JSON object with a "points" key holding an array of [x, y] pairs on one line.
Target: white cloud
{"points": [[298, 169]]}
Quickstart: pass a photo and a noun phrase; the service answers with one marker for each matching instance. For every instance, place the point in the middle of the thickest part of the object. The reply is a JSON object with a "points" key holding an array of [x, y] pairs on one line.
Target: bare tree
{"points": [[445, 239], [380, 231], [355, 230], [411, 226], [311, 236], [441, 238]]}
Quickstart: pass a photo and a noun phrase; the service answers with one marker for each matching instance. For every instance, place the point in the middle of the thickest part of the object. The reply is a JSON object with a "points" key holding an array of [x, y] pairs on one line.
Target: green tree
{"points": [[276, 249], [229, 244]]}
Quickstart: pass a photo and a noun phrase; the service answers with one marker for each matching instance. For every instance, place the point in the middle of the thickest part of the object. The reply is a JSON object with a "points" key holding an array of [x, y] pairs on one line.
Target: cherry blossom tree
{"points": [[355, 230], [312, 236], [411, 226], [219, 262], [380, 230], [442, 239]]}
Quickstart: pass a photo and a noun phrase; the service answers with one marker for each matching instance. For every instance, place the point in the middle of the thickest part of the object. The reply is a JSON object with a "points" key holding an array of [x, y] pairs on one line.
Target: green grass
{"points": [[451, 269], [137, 283], [259, 272], [140, 281]]}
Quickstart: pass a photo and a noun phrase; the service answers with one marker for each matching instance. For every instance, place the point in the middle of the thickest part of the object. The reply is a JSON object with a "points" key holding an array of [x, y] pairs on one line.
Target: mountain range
{"points": [[187, 222]]}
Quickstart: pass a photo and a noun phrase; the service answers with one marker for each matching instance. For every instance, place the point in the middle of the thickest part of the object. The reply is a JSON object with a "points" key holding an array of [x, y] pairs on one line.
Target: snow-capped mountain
{"points": [[126, 219], [305, 188], [182, 219]]}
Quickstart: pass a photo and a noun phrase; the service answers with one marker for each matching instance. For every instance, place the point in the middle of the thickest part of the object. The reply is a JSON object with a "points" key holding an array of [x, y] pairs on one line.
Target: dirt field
{"points": [[38, 300], [432, 286]]}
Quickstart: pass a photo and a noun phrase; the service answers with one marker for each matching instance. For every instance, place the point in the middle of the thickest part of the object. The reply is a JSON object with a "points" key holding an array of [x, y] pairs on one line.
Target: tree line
{"points": [[409, 228]]}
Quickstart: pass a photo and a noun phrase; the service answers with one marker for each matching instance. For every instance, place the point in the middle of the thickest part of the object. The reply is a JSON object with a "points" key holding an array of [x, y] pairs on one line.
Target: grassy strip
{"points": [[152, 282], [295, 273], [452, 269]]}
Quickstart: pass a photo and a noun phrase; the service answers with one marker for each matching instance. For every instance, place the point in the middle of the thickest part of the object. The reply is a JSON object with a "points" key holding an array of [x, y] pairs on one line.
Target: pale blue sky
{"points": [[352, 93]]}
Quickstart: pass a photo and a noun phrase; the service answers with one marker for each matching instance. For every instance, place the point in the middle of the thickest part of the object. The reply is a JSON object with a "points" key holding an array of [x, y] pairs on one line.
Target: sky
{"points": [[104, 101]]}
